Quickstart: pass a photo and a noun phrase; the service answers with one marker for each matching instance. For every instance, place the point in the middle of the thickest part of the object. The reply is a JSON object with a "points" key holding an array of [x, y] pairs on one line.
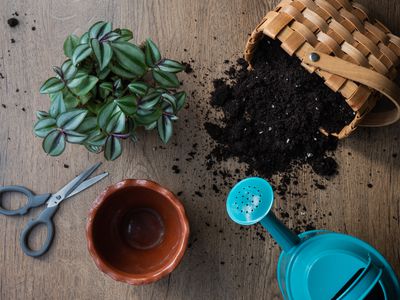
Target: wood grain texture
{"points": [[211, 31]]}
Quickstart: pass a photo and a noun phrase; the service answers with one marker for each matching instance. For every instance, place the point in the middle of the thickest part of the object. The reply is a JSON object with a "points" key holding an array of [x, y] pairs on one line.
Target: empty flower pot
{"points": [[137, 231]]}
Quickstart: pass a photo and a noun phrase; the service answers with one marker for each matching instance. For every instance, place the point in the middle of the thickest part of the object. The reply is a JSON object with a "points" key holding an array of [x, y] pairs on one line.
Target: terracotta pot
{"points": [[137, 231]]}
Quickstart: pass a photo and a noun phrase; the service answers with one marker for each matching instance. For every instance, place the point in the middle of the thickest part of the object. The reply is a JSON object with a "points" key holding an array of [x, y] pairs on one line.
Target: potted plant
{"points": [[106, 89]]}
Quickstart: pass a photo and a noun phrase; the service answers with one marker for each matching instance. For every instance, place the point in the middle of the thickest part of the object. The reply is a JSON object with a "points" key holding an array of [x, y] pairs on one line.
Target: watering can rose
{"points": [[105, 90]]}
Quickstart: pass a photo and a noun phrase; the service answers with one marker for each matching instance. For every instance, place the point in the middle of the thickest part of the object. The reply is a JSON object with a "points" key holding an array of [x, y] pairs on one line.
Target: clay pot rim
{"points": [[118, 275]]}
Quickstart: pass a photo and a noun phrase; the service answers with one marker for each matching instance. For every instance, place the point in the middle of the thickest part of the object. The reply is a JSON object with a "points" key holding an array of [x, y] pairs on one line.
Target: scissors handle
{"points": [[45, 218], [33, 200]]}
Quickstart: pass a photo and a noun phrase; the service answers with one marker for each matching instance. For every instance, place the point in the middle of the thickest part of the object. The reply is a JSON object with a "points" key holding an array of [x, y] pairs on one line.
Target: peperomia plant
{"points": [[105, 90]]}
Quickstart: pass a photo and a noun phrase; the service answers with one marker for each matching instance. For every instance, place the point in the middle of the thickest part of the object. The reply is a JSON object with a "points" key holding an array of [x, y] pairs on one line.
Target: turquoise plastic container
{"points": [[315, 265]]}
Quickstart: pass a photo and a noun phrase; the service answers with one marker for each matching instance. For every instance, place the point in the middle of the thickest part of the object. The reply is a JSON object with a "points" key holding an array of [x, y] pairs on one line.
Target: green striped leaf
{"points": [[71, 42], [164, 126], [180, 100], [116, 123], [57, 106], [165, 79], [52, 85], [138, 88], [74, 137], [121, 71], [44, 126], [80, 53], [54, 143], [72, 119], [130, 57], [68, 70], [42, 114], [102, 51], [152, 54], [112, 148], [127, 104], [105, 114], [171, 66], [99, 30]]}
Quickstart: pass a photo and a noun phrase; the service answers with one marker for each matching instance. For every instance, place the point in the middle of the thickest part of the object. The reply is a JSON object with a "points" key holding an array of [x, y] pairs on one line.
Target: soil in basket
{"points": [[272, 115]]}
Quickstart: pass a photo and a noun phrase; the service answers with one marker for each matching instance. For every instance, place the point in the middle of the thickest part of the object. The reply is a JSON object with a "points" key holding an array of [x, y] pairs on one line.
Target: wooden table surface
{"points": [[223, 262]]}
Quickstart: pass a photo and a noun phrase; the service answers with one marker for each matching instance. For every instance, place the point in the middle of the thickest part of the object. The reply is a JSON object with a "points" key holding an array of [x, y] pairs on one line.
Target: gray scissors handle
{"points": [[33, 200], [45, 218]]}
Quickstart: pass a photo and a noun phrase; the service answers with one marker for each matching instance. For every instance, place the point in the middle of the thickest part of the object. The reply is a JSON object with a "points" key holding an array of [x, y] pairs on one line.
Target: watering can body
{"points": [[315, 265], [327, 265]]}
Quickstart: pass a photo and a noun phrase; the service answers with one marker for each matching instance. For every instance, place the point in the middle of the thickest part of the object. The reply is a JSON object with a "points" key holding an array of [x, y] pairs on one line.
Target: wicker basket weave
{"points": [[354, 55]]}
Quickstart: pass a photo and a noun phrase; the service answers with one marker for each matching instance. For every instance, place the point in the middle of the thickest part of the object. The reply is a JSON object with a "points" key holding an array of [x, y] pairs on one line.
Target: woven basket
{"points": [[355, 56]]}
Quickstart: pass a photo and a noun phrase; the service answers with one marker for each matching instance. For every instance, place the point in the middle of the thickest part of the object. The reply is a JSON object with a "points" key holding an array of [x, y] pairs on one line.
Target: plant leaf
{"points": [[151, 126], [84, 38], [102, 51], [86, 86], [89, 124], [110, 37], [42, 114], [117, 123], [130, 57], [99, 29], [150, 100], [127, 104], [44, 126], [147, 117], [70, 100], [125, 35], [94, 149], [96, 138], [68, 70], [171, 66], [80, 53], [54, 143], [105, 88], [71, 42], [57, 106], [103, 73], [165, 79], [59, 73], [72, 119], [152, 53], [180, 100], [164, 126], [112, 148], [138, 88], [168, 98], [105, 114], [78, 79], [52, 85], [120, 71], [74, 137]]}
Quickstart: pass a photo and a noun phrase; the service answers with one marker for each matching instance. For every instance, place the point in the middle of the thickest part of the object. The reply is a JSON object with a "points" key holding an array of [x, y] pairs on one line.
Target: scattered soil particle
{"points": [[33, 28], [273, 113], [23, 109], [176, 169], [66, 166], [198, 193], [12, 41], [370, 185], [12, 22], [179, 193], [4, 106], [394, 155], [188, 67]]}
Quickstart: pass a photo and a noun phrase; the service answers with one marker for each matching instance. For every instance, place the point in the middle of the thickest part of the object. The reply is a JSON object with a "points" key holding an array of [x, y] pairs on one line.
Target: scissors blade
{"points": [[62, 194], [87, 183]]}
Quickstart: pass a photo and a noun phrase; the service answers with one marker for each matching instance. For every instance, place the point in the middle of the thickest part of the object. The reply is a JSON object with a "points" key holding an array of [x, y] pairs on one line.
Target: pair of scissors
{"points": [[52, 201]]}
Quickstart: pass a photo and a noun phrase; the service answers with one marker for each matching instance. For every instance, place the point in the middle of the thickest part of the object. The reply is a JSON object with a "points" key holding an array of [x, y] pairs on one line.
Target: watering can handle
{"points": [[361, 287]]}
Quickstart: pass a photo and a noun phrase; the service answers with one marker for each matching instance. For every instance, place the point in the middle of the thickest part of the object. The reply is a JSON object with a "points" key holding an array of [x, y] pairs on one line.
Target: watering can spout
{"points": [[285, 238], [250, 201]]}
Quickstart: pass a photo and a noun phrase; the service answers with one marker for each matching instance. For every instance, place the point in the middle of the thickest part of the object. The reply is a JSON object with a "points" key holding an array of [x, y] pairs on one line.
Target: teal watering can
{"points": [[318, 264]]}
